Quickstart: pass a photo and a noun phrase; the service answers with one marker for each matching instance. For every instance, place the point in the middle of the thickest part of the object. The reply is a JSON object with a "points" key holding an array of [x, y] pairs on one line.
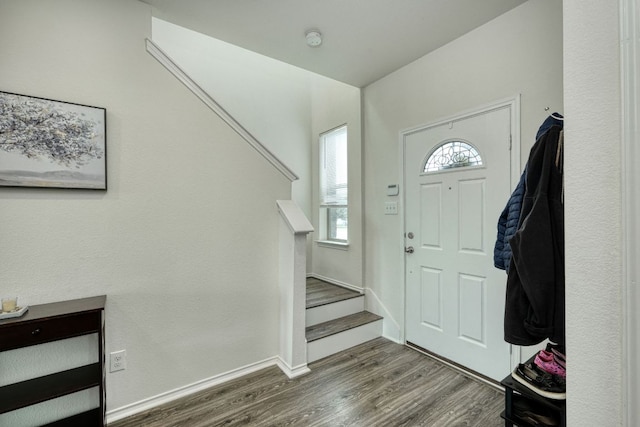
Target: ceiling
{"points": [[363, 40]]}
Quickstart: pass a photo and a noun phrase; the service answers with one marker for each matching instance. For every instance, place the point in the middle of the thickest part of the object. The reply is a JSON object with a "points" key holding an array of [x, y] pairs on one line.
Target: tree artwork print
{"points": [[46, 143]]}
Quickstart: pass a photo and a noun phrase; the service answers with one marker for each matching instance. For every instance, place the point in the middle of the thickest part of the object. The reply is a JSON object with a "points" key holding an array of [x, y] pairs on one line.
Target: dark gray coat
{"points": [[534, 307]]}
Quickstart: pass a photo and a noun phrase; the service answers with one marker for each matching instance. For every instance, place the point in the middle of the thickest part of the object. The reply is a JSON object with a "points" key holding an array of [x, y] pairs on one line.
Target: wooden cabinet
{"points": [[51, 322]]}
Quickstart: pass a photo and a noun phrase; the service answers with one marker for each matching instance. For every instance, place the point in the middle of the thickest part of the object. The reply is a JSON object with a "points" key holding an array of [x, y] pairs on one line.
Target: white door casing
{"points": [[454, 294]]}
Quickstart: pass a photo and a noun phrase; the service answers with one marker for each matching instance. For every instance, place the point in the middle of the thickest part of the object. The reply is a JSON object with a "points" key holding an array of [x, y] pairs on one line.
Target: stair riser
{"points": [[327, 312], [341, 341]]}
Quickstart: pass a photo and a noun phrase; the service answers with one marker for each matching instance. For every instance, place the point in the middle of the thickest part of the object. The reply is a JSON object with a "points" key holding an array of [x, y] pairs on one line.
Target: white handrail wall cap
{"points": [[294, 217]]}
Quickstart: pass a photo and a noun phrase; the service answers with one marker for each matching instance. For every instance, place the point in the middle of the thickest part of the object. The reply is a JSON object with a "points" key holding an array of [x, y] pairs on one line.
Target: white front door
{"points": [[455, 296]]}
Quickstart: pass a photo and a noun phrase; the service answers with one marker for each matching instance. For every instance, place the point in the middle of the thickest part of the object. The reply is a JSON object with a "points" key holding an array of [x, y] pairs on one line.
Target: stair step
{"points": [[336, 319], [340, 334], [341, 324], [321, 293], [327, 312]]}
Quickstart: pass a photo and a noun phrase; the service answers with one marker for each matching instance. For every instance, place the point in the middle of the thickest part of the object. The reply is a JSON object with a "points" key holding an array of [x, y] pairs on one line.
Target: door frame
{"points": [[515, 171]]}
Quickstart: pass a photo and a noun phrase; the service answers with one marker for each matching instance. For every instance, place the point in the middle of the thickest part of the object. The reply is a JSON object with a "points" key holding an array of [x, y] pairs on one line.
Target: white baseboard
{"points": [[336, 282], [294, 372], [162, 398], [390, 329], [392, 339]]}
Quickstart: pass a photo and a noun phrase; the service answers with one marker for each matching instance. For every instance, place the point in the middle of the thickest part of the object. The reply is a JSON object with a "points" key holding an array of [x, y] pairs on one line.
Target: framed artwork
{"points": [[51, 144]]}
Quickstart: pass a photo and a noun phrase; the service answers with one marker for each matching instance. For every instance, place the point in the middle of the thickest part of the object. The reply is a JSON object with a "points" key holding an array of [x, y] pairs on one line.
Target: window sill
{"points": [[333, 245]]}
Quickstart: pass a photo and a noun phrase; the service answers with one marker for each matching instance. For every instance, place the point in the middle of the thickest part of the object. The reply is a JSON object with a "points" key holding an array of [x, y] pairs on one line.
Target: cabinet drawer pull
{"points": [[35, 332]]}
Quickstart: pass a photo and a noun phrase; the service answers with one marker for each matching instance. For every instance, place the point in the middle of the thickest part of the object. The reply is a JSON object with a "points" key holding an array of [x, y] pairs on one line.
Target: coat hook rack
{"points": [[554, 115]]}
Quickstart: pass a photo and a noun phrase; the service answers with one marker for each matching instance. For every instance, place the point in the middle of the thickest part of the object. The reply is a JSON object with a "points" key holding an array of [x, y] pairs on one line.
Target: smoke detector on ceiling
{"points": [[314, 38]]}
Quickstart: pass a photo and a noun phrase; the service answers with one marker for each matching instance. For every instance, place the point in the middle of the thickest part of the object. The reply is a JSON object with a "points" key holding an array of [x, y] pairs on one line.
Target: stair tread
{"points": [[341, 324], [320, 293]]}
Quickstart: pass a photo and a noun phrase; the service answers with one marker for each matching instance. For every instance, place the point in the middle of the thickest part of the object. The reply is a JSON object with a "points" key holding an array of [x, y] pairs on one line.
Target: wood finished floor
{"points": [[378, 383], [320, 293], [335, 326]]}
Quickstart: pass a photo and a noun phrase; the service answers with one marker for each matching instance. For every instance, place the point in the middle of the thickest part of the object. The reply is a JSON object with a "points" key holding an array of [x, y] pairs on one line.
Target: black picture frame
{"points": [[52, 144]]}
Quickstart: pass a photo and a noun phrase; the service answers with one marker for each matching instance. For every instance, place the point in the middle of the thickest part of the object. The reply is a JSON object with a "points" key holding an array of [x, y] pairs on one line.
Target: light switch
{"points": [[391, 208]]}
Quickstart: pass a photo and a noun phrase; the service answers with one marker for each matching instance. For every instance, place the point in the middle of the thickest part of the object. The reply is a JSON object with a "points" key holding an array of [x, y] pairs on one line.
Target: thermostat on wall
{"points": [[393, 189]]}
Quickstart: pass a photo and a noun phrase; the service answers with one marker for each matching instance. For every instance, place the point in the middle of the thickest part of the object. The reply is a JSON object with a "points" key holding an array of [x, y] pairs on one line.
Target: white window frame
{"points": [[333, 200], [451, 156]]}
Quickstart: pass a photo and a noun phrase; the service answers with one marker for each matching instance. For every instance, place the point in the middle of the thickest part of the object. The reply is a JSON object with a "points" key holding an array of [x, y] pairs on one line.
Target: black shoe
{"points": [[540, 382], [534, 413], [558, 351]]}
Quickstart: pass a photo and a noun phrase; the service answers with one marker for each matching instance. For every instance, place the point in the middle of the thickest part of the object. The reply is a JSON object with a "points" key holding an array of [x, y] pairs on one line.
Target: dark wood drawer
{"points": [[47, 330], [29, 392], [93, 417]]}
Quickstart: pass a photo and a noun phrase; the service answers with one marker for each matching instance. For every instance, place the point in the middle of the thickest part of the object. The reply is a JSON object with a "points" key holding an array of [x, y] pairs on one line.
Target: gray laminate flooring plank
{"points": [[321, 293], [335, 326], [378, 383]]}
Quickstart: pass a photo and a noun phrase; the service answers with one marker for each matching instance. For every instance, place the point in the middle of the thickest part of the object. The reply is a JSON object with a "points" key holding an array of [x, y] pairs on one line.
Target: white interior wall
{"points": [[141, 238], [269, 98], [285, 108], [593, 221], [335, 104], [519, 52], [170, 240]]}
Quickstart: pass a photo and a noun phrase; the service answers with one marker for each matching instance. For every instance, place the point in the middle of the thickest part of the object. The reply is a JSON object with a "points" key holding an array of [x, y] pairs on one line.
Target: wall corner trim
{"points": [[630, 180], [181, 75]]}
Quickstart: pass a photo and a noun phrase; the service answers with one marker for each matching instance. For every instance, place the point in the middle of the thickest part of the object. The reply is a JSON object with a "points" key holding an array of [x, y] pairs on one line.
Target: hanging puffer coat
{"points": [[510, 216], [507, 226], [535, 299]]}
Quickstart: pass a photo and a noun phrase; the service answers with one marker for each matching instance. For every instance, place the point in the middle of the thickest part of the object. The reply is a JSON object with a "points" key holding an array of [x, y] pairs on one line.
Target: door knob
{"points": [[409, 250]]}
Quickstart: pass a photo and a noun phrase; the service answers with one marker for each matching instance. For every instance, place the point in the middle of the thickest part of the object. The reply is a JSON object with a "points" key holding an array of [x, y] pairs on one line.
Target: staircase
{"points": [[336, 319]]}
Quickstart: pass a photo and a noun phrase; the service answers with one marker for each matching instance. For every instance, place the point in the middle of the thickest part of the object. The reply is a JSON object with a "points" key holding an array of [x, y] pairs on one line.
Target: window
{"points": [[333, 186], [452, 154]]}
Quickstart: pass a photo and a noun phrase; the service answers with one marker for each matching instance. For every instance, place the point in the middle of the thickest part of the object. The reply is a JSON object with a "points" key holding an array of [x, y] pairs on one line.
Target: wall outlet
{"points": [[118, 361], [391, 208]]}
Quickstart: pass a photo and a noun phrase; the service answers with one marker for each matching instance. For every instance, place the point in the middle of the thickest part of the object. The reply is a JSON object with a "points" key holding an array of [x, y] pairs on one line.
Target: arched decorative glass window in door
{"points": [[452, 154]]}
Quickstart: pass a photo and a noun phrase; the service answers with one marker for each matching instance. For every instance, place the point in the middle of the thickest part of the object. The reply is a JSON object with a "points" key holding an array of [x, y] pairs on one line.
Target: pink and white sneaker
{"points": [[546, 361]]}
